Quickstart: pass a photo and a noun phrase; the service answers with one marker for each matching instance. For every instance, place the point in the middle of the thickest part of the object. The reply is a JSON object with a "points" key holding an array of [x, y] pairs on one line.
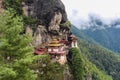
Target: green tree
{"points": [[104, 59], [48, 70], [16, 55], [81, 68], [15, 4], [76, 64], [66, 25]]}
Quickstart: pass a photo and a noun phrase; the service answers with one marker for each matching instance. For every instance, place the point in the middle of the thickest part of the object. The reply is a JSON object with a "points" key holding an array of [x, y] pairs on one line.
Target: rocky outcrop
{"points": [[1, 9], [55, 22], [44, 10], [49, 14], [41, 37], [28, 30]]}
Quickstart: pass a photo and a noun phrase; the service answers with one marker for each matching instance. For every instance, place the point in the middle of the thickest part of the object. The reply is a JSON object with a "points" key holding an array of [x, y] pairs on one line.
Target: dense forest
{"points": [[103, 58], [82, 68]]}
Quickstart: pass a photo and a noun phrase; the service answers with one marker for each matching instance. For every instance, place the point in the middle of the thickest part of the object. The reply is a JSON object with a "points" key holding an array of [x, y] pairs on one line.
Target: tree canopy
{"points": [[16, 55]]}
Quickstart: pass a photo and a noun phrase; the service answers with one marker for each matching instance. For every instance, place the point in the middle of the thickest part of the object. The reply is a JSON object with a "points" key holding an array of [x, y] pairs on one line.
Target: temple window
{"points": [[55, 50], [49, 49]]}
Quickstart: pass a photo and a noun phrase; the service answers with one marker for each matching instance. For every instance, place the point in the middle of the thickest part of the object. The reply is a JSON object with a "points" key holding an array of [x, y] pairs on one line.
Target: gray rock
{"points": [[50, 14], [44, 10]]}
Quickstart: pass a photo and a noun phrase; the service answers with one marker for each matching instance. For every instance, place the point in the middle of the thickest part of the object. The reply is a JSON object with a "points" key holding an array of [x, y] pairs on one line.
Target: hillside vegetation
{"points": [[104, 59], [82, 69]]}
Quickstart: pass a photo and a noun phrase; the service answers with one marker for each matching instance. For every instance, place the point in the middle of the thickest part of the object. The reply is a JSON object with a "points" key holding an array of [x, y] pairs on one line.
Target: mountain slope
{"points": [[106, 34], [108, 37], [83, 69], [80, 34], [104, 59]]}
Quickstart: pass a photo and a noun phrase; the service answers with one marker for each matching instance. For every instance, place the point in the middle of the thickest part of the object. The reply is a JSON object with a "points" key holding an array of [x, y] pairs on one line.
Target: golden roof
{"points": [[54, 43]]}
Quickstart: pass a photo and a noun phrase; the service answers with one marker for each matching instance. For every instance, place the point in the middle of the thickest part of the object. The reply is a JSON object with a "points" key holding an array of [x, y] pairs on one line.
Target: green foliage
{"points": [[21, 64], [66, 25], [93, 71], [29, 20], [48, 70], [108, 37], [80, 34], [104, 59], [15, 4], [76, 64], [6, 73], [81, 67], [16, 56]]}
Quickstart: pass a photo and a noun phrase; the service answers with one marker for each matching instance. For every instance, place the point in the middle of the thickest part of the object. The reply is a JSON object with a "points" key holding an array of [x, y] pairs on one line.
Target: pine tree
{"points": [[16, 56], [76, 64]]}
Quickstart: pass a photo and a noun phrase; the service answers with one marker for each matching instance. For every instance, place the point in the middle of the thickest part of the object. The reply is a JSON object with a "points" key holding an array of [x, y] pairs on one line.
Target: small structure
{"points": [[63, 41], [56, 50], [73, 41], [39, 51]]}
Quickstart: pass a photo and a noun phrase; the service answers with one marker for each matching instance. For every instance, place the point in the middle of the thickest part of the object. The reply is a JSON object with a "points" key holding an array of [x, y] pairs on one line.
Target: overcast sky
{"points": [[78, 10]]}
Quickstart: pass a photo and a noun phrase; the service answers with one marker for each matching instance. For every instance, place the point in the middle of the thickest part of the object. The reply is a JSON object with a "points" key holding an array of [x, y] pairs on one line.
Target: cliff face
{"points": [[1, 6], [44, 10], [50, 14]]}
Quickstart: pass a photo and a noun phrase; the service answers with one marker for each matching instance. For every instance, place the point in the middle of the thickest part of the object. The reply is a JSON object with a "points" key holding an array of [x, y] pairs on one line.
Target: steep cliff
{"points": [[1, 6], [51, 22], [50, 14]]}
